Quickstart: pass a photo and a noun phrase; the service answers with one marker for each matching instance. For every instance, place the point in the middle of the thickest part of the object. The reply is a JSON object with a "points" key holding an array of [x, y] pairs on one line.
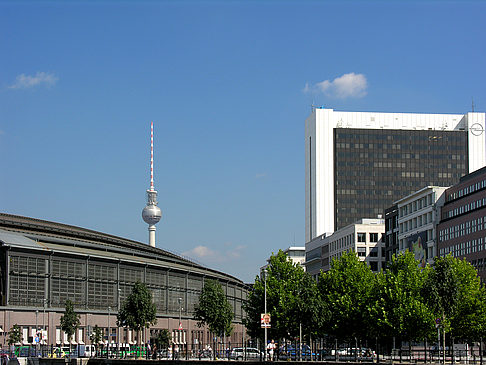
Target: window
{"points": [[374, 252], [361, 251], [361, 237], [373, 237]]}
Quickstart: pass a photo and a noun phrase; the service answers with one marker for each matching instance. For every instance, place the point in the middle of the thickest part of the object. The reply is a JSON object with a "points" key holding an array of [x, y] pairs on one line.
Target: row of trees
{"points": [[350, 302]]}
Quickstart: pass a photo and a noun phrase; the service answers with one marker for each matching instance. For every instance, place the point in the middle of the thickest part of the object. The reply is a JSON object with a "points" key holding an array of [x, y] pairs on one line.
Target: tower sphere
{"points": [[151, 214]]}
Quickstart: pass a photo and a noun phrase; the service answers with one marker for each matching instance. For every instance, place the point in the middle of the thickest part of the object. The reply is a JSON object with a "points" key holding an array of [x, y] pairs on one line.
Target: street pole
{"points": [[265, 345], [36, 331], [438, 342], [117, 326], [44, 319], [108, 349], [180, 322]]}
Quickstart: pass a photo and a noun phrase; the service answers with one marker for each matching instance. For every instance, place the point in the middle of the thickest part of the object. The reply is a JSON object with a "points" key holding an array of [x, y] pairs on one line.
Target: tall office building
{"points": [[359, 163]]}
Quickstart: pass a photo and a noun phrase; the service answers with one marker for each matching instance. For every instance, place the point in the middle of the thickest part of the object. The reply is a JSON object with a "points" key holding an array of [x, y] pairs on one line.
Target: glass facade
{"points": [[375, 167], [93, 284]]}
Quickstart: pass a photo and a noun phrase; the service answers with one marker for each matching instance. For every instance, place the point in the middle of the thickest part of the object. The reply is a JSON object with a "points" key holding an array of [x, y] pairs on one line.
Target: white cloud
{"points": [[207, 254], [349, 85], [24, 81]]}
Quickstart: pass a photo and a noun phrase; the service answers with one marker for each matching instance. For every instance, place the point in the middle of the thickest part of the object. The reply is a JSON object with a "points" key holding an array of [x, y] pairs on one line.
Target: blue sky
{"points": [[228, 85]]}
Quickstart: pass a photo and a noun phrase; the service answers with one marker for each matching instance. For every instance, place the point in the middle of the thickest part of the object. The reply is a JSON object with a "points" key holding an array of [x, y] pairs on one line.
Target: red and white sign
{"points": [[265, 320]]}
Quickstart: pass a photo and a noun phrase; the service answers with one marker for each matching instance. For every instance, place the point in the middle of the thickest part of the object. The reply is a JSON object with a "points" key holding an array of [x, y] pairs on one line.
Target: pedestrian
{"points": [[271, 349], [154, 352]]}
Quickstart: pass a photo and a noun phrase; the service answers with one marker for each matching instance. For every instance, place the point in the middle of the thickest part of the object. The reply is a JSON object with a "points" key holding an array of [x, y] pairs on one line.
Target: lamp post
{"points": [[36, 332], [265, 345], [117, 326], [108, 348], [180, 324], [44, 304]]}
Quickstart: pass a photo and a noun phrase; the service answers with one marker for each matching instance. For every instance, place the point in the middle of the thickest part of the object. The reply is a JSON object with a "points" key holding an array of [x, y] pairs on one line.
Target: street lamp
{"points": [[108, 349], [44, 320], [180, 321], [117, 326], [265, 278], [36, 332]]}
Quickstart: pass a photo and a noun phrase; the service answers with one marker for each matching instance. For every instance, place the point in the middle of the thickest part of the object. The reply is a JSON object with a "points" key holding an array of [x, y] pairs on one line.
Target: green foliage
{"points": [[346, 290], [138, 310], [455, 295], [214, 310], [351, 302], [397, 307], [163, 339], [69, 320], [96, 336], [291, 300], [14, 335]]}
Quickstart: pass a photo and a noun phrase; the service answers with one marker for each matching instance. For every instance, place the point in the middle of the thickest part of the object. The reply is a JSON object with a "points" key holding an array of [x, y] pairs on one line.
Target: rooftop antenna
{"points": [[151, 214], [472, 104]]}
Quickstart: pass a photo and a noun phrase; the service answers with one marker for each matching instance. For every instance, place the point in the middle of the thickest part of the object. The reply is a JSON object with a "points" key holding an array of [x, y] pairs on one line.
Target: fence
{"points": [[319, 350]]}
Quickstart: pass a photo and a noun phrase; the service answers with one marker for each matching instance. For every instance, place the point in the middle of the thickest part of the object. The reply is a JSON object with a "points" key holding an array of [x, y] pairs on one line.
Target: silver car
{"points": [[240, 353]]}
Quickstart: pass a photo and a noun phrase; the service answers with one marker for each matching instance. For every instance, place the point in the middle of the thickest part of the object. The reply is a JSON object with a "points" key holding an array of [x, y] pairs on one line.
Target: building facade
{"points": [[45, 263], [418, 216], [295, 254], [391, 232], [365, 237], [462, 228], [358, 164]]}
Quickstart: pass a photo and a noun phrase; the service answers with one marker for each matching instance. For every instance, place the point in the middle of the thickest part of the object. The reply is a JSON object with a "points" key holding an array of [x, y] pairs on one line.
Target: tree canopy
{"points": [[456, 297], [346, 290], [14, 335], [69, 320], [138, 310], [397, 307], [351, 302], [214, 310], [291, 300]]}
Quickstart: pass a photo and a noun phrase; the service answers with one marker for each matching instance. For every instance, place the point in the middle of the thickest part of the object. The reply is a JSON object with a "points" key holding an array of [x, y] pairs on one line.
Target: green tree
{"points": [[163, 339], [455, 295], [346, 290], [96, 337], [291, 301], [15, 335], [69, 321], [214, 310], [138, 310], [397, 307]]}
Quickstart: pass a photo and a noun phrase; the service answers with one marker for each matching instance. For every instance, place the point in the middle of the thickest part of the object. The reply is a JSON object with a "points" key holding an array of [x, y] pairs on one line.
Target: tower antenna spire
{"points": [[152, 156], [151, 214]]}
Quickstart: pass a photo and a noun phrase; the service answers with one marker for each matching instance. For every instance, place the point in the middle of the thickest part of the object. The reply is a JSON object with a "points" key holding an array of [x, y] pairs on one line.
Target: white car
{"points": [[240, 353]]}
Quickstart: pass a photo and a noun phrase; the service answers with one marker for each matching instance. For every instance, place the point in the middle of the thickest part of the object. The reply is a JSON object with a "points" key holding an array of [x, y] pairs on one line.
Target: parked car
{"points": [[291, 352], [240, 353]]}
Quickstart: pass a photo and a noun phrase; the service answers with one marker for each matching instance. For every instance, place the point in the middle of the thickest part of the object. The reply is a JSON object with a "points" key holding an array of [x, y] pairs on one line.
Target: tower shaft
{"points": [[151, 214]]}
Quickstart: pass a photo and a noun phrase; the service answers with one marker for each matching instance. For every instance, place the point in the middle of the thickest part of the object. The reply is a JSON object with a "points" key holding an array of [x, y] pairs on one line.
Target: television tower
{"points": [[151, 214]]}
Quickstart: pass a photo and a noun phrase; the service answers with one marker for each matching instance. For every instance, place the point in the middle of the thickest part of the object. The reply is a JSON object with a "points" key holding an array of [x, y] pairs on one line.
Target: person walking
{"points": [[271, 349]]}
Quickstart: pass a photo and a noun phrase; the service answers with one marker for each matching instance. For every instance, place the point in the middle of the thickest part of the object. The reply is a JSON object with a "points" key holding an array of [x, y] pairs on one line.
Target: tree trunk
{"points": [[443, 347]]}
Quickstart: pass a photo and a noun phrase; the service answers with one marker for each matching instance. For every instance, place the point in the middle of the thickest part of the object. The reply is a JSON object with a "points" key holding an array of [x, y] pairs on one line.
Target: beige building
{"points": [[418, 215], [364, 237]]}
